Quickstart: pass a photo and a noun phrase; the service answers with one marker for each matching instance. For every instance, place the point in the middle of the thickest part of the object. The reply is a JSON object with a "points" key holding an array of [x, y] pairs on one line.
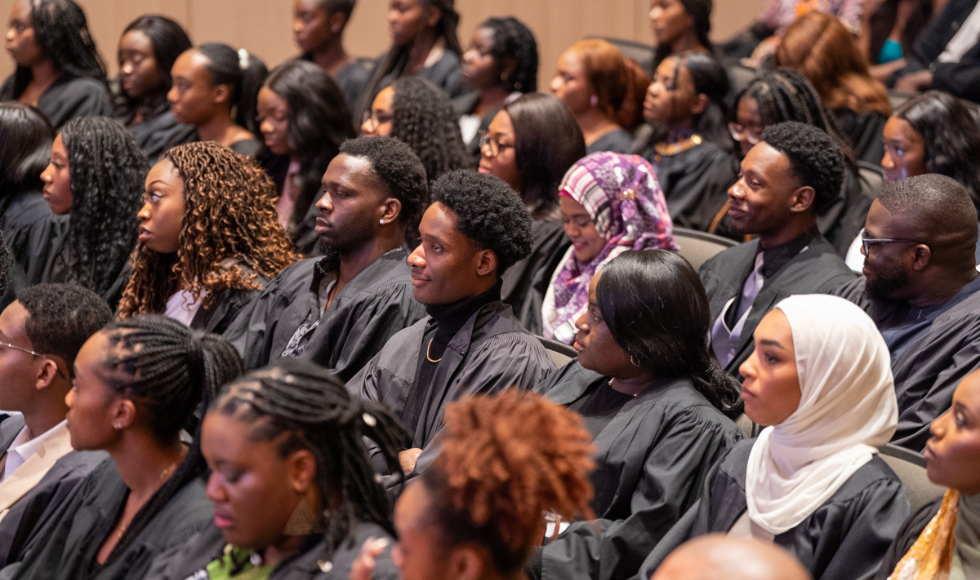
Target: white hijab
{"points": [[847, 409]]}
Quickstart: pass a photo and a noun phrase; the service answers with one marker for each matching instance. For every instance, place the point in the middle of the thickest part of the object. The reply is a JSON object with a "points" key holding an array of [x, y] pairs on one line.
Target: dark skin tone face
{"points": [[771, 389], [138, 69], [353, 204], [747, 115], [480, 69], [905, 150], [672, 98], [888, 267], [953, 452]]}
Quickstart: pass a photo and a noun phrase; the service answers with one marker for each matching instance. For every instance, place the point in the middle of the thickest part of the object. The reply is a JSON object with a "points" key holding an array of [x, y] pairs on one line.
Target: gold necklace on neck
{"points": [[427, 356], [675, 148]]}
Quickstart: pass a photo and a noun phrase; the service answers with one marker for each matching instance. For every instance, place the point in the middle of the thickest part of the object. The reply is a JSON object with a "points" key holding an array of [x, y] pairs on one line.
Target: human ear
{"points": [[301, 470], [123, 413], [392, 210], [700, 104], [46, 373], [465, 563], [486, 262], [921, 257], [221, 94], [432, 16], [336, 22], [802, 199]]}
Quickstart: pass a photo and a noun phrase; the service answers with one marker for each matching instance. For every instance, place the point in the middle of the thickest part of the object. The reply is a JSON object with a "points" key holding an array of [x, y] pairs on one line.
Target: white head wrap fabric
{"points": [[847, 409]]}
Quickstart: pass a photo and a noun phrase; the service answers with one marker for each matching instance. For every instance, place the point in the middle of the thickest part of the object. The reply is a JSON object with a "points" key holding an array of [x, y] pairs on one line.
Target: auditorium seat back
{"points": [[559, 352], [699, 247], [910, 467]]}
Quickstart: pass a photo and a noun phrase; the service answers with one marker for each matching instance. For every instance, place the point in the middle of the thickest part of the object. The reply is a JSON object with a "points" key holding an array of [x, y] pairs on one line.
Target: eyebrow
{"points": [[769, 342], [156, 181]]}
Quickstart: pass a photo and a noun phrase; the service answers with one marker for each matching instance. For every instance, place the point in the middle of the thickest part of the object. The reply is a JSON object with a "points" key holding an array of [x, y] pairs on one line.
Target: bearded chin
{"points": [[884, 284]]}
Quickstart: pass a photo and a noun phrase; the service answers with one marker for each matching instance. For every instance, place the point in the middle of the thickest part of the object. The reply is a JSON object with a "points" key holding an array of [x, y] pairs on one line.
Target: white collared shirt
{"points": [[22, 448]]}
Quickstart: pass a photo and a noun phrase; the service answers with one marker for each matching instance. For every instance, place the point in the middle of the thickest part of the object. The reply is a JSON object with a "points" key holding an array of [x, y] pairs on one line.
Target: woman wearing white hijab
{"points": [[820, 380]]}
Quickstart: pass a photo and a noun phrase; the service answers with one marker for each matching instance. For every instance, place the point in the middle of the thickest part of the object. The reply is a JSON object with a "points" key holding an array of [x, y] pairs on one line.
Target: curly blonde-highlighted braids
{"points": [[506, 460], [229, 234]]}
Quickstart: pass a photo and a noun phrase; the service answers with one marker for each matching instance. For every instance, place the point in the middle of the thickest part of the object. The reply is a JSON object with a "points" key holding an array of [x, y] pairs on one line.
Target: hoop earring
{"points": [[634, 362]]}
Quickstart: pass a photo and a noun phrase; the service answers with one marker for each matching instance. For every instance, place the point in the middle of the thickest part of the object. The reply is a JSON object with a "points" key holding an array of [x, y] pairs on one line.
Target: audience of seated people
{"points": [[393, 361]]}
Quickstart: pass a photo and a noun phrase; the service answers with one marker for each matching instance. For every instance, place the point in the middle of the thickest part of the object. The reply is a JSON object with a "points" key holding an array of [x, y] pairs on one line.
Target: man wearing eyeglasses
{"points": [[40, 334], [922, 289]]}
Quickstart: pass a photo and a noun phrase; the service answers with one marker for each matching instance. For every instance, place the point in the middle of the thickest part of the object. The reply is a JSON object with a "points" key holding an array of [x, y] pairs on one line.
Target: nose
{"points": [[737, 190], [417, 258], [747, 368], [127, 68], [297, 25], [555, 85], [215, 492], [172, 95], [46, 175], [469, 56], [581, 322], [11, 35], [653, 90], [266, 127], [325, 203], [369, 127], [936, 429], [144, 213], [886, 161], [70, 398], [655, 13]]}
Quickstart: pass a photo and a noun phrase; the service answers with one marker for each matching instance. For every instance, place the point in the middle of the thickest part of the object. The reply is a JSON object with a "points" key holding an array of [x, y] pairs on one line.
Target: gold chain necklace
{"points": [[163, 477], [427, 349]]}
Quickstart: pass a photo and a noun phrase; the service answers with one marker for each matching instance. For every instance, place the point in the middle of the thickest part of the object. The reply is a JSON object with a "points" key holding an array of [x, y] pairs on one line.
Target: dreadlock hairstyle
{"points": [[168, 371], [312, 406], [394, 61], [244, 72], [319, 122], [229, 226], [506, 460], [61, 32], [169, 41], [513, 40], [25, 148], [423, 118], [106, 169], [657, 311]]}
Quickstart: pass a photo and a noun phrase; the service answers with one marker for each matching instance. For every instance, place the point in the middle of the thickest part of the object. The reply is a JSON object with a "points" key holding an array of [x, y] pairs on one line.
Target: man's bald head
{"points": [[719, 557]]}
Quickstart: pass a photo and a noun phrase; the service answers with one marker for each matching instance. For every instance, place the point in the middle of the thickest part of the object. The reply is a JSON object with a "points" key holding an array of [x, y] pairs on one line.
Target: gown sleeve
{"points": [[906, 537]]}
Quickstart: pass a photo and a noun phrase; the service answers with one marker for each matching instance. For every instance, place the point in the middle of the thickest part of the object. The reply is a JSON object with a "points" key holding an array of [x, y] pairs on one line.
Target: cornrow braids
{"points": [[229, 233], [311, 405], [107, 169], [512, 39], [506, 460], [423, 118], [168, 371]]}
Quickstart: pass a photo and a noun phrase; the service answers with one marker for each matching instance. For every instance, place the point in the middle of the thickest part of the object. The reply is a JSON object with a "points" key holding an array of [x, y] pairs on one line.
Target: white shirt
{"points": [[182, 307], [22, 448], [964, 39]]}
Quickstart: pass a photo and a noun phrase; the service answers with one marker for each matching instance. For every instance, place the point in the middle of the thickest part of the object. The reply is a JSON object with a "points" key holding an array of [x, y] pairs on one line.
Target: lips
{"points": [[736, 213], [144, 234], [322, 226], [418, 279], [221, 520]]}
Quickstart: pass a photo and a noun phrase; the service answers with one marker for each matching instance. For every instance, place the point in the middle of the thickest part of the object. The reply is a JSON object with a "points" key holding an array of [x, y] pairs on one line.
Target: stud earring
{"points": [[382, 222], [594, 100], [504, 76]]}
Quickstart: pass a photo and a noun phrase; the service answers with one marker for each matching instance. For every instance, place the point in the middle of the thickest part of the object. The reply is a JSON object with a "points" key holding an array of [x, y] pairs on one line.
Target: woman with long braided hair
{"points": [[138, 383], [293, 486], [95, 177], [209, 238]]}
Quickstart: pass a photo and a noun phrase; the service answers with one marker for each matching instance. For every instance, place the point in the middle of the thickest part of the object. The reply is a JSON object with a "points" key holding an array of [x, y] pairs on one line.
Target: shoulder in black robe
{"points": [[527, 281], [616, 141], [844, 539], [56, 270], [68, 99], [158, 134], [30, 231], [863, 131], [907, 536], [445, 73], [927, 371], [652, 455], [352, 81], [248, 147]]}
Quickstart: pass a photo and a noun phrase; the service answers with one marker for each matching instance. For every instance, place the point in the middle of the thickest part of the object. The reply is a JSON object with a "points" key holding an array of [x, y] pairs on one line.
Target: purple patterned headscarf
{"points": [[627, 206]]}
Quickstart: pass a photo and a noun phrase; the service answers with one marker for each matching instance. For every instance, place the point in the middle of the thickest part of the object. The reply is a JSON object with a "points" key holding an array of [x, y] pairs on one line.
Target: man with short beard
{"points": [[922, 289], [340, 309]]}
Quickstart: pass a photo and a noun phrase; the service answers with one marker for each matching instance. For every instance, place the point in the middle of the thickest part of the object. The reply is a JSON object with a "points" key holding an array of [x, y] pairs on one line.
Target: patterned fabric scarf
{"points": [[947, 549], [627, 206]]}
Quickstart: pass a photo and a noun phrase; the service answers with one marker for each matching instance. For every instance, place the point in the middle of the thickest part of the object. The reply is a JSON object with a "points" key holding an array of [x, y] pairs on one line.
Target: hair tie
{"points": [[242, 59]]}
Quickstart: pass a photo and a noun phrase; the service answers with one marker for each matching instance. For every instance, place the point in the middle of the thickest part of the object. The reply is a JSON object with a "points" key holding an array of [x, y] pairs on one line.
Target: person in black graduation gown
{"points": [[500, 65], [530, 144], [208, 238], [43, 331], [293, 488], [811, 482], [689, 138], [318, 30], [921, 287], [658, 407], [208, 82], [137, 385], [339, 310], [787, 178], [95, 177], [470, 343], [147, 51], [29, 227], [59, 69], [302, 117]]}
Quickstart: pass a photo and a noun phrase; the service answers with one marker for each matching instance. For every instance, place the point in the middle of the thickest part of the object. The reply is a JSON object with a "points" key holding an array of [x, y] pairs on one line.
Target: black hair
{"points": [[25, 148], [345, 7], [547, 141], [398, 168], [949, 136], [244, 72], [394, 61], [168, 371], [6, 262], [62, 318], [423, 117], [700, 13], [61, 32], [488, 212], [107, 170], [169, 41], [513, 40], [657, 311], [311, 405], [813, 156], [319, 122], [711, 80]]}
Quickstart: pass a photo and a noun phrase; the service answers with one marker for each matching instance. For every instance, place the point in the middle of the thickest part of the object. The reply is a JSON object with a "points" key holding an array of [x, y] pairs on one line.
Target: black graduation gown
{"points": [[927, 371], [30, 231], [844, 539], [56, 270], [224, 308], [158, 134], [68, 99], [10, 426], [526, 282], [445, 73], [863, 130], [616, 141], [372, 307], [352, 81], [907, 536], [69, 550], [189, 559], [817, 270], [651, 455], [248, 147]]}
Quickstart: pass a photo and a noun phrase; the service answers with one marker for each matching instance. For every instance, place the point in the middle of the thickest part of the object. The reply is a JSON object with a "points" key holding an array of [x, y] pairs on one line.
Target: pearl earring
{"points": [[382, 222]]}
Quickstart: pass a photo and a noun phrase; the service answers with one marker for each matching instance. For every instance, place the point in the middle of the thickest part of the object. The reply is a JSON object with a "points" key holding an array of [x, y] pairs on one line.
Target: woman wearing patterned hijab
{"points": [[610, 203]]}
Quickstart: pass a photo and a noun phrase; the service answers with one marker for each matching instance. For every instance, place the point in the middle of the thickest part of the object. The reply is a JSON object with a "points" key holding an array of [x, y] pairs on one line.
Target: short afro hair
{"points": [[813, 155], [62, 318], [488, 212], [397, 166]]}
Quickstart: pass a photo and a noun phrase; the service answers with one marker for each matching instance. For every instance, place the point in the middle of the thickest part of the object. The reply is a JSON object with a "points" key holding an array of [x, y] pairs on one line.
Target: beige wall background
{"points": [[263, 26]]}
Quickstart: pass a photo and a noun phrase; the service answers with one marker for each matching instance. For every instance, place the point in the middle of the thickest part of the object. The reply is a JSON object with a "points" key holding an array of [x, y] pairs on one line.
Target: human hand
{"points": [[408, 458]]}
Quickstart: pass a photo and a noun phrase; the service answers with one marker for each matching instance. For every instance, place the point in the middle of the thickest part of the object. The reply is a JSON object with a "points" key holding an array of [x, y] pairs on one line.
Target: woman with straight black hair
{"points": [[59, 69], [302, 115], [148, 48], [530, 144], [215, 88], [138, 383], [29, 228], [680, 26], [659, 408]]}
